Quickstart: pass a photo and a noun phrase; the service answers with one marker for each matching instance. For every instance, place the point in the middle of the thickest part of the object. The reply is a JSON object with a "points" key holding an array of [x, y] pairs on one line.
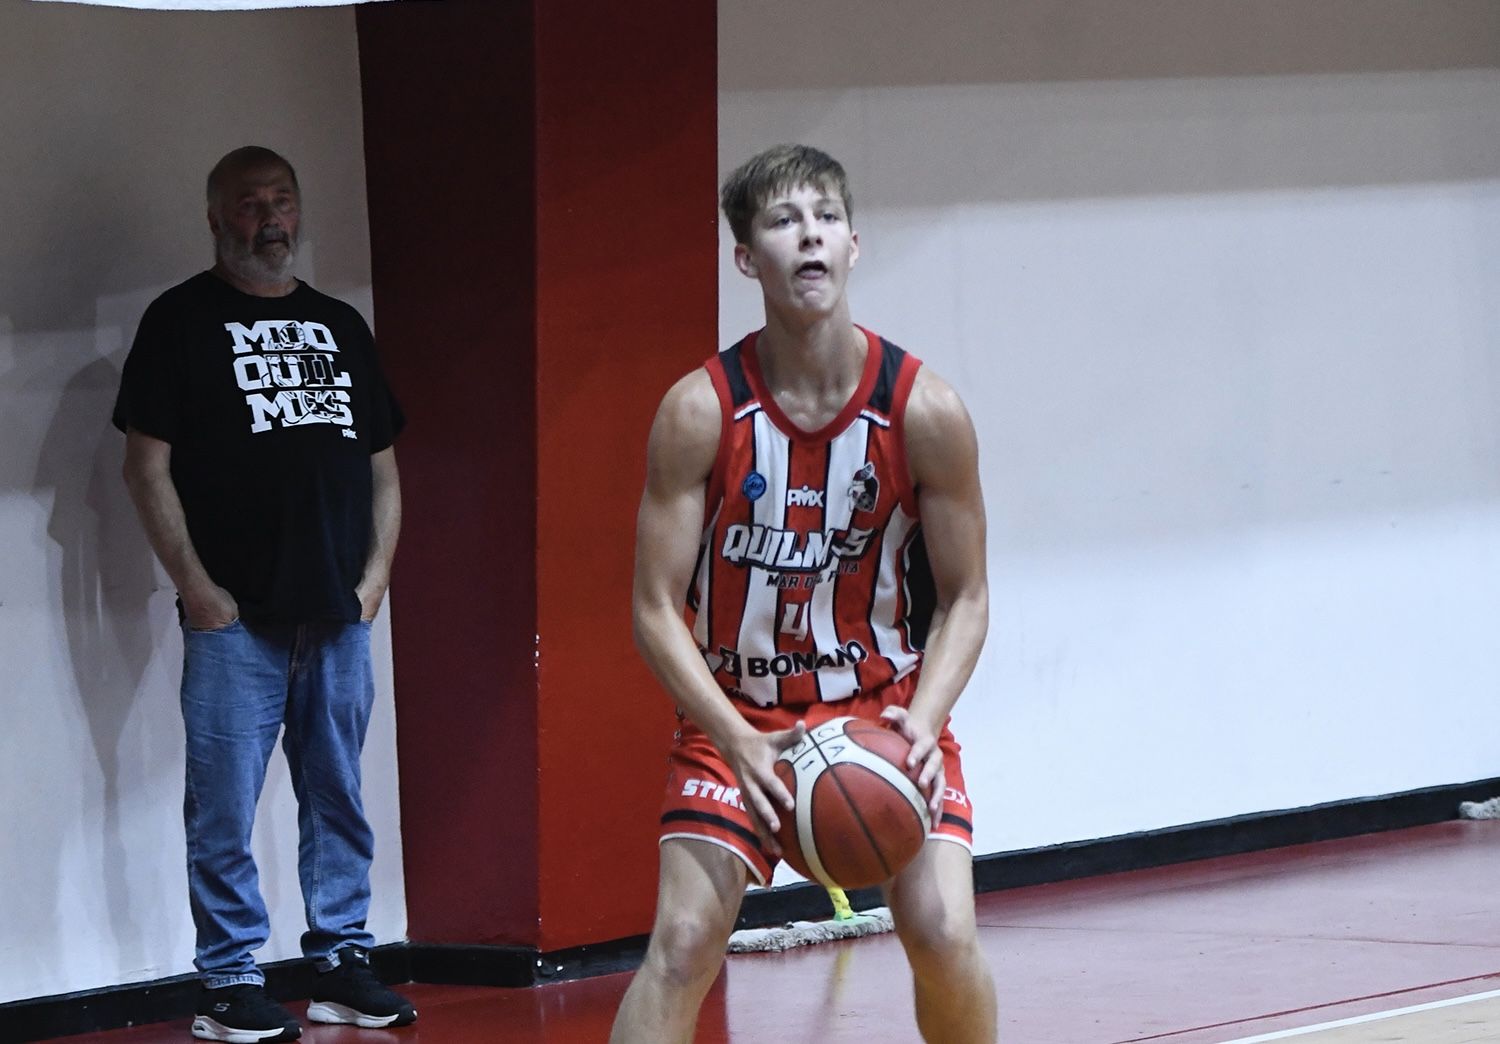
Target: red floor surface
{"points": [[1192, 954]]}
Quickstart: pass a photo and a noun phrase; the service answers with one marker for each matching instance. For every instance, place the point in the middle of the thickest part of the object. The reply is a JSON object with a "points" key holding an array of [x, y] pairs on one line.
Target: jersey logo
{"points": [[713, 790], [290, 374], [790, 551], [804, 497], [754, 486], [293, 408], [788, 664], [864, 491], [280, 335]]}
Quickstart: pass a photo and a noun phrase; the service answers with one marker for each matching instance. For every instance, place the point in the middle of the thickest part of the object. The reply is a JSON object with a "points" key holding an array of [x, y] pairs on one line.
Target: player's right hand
{"points": [[210, 608], [752, 756]]}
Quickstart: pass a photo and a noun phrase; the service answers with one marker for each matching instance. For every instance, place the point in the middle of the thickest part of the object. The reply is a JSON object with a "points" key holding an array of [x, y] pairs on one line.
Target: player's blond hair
{"points": [[776, 170]]}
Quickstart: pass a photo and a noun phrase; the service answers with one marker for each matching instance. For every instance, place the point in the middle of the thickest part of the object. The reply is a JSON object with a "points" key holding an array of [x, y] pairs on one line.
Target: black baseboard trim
{"points": [[1225, 837], [134, 1004], [517, 966], [520, 966]]}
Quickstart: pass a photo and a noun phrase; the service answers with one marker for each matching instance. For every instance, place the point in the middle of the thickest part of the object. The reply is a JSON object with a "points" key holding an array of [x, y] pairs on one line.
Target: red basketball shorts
{"points": [[703, 797]]}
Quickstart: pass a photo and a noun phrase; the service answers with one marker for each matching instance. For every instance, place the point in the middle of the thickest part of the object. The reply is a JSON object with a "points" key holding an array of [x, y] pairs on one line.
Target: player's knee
{"points": [[685, 950], [939, 936]]}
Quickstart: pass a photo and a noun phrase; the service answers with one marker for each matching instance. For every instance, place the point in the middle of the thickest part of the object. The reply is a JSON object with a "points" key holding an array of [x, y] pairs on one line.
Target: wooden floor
{"points": [[1244, 948]]}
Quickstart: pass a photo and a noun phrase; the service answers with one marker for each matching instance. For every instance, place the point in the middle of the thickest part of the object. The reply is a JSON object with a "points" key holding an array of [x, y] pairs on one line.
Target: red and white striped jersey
{"points": [[812, 581]]}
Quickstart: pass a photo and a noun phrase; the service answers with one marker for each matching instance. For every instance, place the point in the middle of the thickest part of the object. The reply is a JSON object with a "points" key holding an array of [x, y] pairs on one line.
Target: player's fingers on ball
{"points": [[922, 749], [780, 794], [763, 818], [937, 794], [789, 738], [767, 835], [932, 767]]}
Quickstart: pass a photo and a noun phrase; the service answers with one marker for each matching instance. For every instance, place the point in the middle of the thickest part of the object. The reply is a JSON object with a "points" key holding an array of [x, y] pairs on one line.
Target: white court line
{"points": [[1376, 1017]]}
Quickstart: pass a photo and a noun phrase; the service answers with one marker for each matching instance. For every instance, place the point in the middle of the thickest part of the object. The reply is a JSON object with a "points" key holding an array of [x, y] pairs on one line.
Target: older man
{"points": [[259, 456]]}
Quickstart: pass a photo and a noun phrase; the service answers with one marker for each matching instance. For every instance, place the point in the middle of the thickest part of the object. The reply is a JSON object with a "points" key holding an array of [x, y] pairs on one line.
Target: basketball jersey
{"points": [[812, 581]]}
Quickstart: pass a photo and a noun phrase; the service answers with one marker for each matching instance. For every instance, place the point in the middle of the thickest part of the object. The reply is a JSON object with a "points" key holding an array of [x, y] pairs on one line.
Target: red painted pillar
{"points": [[627, 293], [541, 192]]}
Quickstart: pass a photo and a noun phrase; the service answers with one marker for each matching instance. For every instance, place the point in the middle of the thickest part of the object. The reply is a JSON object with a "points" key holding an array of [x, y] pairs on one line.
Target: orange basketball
{"points": [[860, 817]]}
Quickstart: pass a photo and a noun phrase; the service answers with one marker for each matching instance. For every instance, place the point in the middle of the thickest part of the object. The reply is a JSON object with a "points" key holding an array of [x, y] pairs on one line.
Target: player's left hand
{"points": [[370, 594], [925, 753]]}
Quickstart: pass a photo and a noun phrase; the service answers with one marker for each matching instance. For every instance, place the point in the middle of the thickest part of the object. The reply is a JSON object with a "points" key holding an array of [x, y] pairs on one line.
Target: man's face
{"points": [[801, 250], [255, 223]]}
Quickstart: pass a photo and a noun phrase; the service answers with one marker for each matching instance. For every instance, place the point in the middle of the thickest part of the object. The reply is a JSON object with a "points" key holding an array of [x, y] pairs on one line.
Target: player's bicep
{"points": [[943, 451], [680, 455], [383, 472], [147, 458], [666, 543]]}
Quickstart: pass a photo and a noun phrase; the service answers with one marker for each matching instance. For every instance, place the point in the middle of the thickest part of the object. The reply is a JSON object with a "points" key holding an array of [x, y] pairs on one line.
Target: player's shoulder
{"points": [[187, 294], [685, 433], [934, 403], [691, 406], [330, 306], [940, 440]]}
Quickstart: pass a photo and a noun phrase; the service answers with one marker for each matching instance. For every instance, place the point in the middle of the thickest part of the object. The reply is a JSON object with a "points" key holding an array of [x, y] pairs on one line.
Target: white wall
{"points": [[1220, 283], [111, 120]]}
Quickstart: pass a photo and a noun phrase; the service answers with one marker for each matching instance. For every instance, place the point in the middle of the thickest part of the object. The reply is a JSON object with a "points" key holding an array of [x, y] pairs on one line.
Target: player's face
{"points": [[801, 250], [256, 221]]}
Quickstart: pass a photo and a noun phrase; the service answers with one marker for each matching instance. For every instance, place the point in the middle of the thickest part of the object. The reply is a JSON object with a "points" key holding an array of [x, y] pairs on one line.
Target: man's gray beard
{"points": [[240, 259]]}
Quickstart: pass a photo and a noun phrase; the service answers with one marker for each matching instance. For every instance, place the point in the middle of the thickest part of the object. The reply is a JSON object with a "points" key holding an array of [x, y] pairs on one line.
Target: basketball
{"points": [[860, 817]]}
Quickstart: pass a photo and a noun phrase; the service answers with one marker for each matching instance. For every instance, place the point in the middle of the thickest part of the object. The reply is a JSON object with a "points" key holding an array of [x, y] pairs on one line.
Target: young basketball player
{"points": [[815, 490]]}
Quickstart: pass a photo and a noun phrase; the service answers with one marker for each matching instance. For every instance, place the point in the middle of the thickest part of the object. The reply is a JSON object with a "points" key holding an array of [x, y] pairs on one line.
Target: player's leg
{"points": [[332, 695], [932, 904], [328, 716], [233, 701], [697, 900], [709, 850]]}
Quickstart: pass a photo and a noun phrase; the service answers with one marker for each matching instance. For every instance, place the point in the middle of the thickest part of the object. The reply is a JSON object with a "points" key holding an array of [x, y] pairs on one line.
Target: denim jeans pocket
{"points": [[230, 626]]}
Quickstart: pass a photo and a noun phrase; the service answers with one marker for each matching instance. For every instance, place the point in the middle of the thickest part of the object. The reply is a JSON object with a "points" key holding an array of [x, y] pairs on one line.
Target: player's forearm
{"points": [[669, 650], [160, 510], [385, 520], [953, 644]]}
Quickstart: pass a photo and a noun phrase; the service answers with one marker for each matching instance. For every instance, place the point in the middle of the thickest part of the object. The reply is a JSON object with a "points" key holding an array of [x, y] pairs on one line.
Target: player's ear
{"points": [[744, 262], [853, 248]]}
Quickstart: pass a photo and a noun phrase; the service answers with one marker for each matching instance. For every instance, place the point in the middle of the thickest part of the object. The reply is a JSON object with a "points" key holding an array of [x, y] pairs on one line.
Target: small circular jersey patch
{"points": [[754, 486]]}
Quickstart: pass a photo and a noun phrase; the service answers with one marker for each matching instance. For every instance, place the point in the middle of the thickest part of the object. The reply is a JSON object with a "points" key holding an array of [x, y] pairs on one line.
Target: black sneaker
{"points": [[349, 993], [242, 1014]]}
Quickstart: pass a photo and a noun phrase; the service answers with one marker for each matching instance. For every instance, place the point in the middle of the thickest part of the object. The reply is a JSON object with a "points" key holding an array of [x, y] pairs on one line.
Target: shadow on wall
{"points": [[106, 170], [106, 578]]}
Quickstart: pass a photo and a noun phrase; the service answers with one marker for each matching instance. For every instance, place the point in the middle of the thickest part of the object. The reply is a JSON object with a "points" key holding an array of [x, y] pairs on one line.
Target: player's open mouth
{"points": [[812, 269]]}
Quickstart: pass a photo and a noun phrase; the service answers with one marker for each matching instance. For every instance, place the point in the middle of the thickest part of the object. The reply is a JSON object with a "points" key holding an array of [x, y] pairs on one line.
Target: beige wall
{"points": [[110, 121], [1217, 280]]}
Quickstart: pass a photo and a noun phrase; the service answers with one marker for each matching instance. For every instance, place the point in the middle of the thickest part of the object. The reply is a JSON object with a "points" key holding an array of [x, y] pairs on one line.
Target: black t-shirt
{"points": [[273, 407]]}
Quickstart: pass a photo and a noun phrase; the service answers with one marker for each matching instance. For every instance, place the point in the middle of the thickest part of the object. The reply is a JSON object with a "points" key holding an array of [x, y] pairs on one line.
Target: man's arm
{"points": [[386, 527], [148, 476], [943, 454], [679, 456]]}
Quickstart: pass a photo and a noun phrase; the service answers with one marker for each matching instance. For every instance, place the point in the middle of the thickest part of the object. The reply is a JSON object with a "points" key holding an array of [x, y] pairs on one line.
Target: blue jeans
{"points": [[240, 685]]}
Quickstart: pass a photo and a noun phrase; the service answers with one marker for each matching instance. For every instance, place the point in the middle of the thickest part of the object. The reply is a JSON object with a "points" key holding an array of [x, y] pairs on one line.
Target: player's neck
{"points": [[279, 288], [824, 355]]}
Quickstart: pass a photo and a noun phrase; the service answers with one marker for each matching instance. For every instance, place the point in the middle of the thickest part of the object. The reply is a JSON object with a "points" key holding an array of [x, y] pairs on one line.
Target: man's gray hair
{"points": [[247, 157]]}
